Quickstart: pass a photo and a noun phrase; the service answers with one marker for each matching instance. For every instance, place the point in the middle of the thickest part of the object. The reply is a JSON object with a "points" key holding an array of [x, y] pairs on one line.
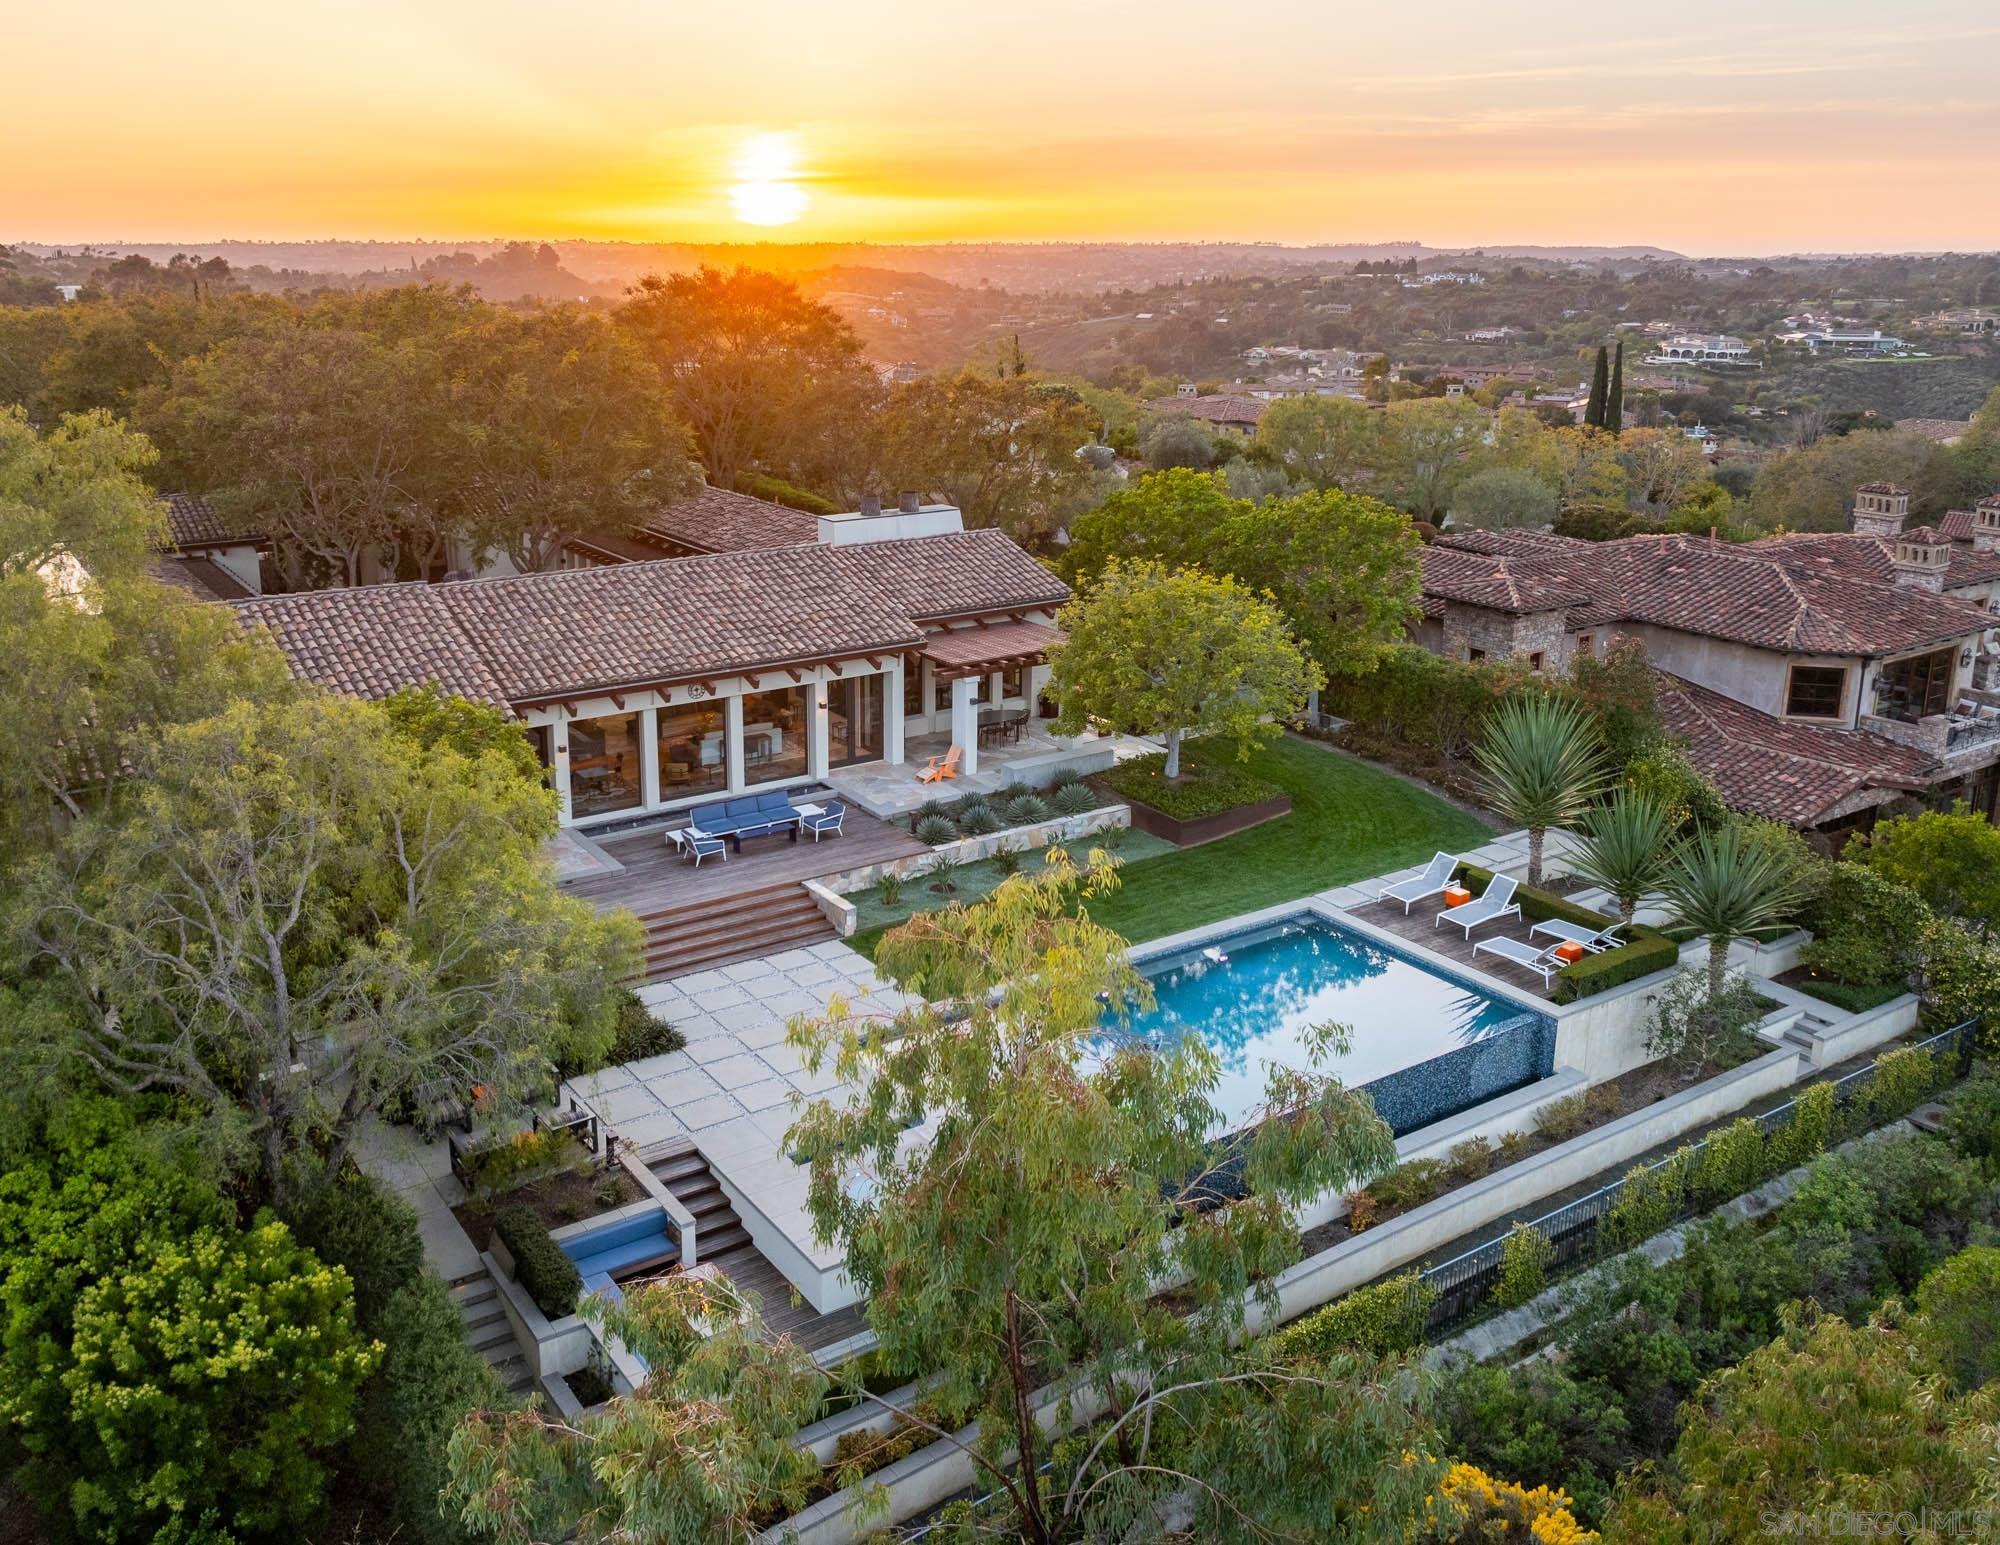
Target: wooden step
{"points": [[682, 940]]}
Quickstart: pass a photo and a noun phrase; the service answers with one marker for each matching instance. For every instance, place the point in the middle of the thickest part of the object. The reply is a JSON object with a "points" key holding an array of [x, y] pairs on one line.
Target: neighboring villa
{"points": [[1230, 414], [1816, 678], [1701, 349], [211, 558], [779, 646]]}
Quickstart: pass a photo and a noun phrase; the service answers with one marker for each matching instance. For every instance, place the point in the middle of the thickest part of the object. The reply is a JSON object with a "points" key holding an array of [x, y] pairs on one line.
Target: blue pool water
{"points": [[1424, 1045]]}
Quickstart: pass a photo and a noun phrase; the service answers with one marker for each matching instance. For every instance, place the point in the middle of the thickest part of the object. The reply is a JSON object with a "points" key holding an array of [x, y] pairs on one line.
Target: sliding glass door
{"points": [[854, 720]]}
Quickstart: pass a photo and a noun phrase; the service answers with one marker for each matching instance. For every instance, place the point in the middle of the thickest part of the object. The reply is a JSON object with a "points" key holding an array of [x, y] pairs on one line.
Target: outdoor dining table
{"points": [[995, 723]]}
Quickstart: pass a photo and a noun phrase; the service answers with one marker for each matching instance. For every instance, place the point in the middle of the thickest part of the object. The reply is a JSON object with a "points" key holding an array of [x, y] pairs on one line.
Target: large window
{"points": [[694, 750], [1816, 691], [604, 765], [1915, 688], [774, 735], [1014, 681]]}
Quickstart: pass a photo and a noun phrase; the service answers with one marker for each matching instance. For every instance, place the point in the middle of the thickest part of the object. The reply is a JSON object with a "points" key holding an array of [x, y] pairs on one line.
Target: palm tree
{"points": [[1723, 886], [1624, 848], [1543, 762]]}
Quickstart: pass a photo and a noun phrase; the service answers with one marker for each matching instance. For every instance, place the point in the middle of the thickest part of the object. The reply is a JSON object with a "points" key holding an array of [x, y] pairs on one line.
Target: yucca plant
{"points": [[1722, 885], [1624, 848], [1542, 762]]}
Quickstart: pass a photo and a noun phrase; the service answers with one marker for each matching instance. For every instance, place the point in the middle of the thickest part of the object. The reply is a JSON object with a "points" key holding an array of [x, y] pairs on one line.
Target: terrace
{"points": [[1421, 928], [1028, 754]]}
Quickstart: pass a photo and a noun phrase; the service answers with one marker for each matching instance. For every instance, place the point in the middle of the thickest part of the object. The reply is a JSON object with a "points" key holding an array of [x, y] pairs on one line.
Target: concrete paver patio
{"points": [[736, 1065]]}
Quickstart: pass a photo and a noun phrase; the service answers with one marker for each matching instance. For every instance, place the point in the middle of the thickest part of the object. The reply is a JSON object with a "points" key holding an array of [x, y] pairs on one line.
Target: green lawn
{"points": [[1349, 821]]}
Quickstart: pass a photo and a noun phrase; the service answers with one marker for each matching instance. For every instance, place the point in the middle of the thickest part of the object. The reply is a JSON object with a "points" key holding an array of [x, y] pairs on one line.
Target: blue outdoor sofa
{"points": [[750, 815], [626, 1249]]}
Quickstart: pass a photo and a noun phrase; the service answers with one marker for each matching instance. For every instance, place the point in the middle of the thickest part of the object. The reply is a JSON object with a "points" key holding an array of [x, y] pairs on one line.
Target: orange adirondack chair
{"points": [[942, 767]]}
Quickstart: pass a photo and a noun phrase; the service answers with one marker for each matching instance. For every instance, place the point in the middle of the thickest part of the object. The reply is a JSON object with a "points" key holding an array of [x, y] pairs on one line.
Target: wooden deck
{"points": [[656, 877], [1422, 928]]}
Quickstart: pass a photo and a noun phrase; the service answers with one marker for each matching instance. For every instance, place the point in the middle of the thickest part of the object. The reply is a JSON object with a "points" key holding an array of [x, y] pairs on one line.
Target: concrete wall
{"points": [[1864, 1032], [968, 850], [550, 1346]]}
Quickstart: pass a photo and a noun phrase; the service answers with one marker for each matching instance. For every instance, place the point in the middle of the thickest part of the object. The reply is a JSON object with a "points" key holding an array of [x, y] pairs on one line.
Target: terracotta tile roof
{"points": [[1881, 488], [1871, 559], [717, 520], [1779, 768], [192, 523], [1957, 524], [203, 578], [978, 646], [1744, 594], [538, 637], [1214, 410]]}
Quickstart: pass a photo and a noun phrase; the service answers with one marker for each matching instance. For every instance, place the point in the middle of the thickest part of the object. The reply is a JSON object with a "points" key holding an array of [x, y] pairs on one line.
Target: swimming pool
{"points": [[1424, 1044]]}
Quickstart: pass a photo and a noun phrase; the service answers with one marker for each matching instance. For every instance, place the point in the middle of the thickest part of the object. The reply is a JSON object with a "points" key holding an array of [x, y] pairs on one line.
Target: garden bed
{"points": [[941, 821], [1849, 996], [567, 1196]]}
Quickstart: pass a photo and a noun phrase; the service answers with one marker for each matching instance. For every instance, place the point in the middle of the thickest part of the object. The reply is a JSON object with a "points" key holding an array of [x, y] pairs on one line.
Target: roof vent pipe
{"points": [[871, 504], [906, 501]]}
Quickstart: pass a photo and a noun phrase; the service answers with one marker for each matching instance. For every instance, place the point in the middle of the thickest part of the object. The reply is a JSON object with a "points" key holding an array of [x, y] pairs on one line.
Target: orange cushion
{"points": [[1569, 952]]}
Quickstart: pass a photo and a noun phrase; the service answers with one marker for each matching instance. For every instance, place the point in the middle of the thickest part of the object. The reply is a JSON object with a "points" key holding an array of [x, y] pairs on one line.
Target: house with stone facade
{"points": [[1815, 677]]}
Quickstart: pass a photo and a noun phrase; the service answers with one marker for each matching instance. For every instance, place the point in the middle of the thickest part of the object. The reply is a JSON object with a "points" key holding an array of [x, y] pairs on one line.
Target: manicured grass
{"points": [[1847, 995], [1349, 821]]}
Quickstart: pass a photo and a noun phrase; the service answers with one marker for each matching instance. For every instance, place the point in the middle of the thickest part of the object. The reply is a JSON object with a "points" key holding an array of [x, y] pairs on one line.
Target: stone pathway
{"points": [[736, 1065], [420, 1173]]}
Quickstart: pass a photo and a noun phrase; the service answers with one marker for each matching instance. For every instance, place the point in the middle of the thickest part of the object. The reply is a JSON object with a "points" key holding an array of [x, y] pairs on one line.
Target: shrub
{"points": [[639, 1034], [1028, 810], [1513, 1147], [944, 874], [1006, 858], [761, 485], [509, 1161], [1210, 783], [1422, 699], [888, 887], [1804, 1136], [980, 821], [1470, 1159], [1693, 1030], [1652, 1197], [1072, 798], [1867, 929], [1524, 1266], [360, 1225], [1362, 1212], [1562, 1119], [208, 1371], [429, 1379], [547, 1275], [1732, 1161], [973, 806], [1957, 1302], [1408, 1185], [1376, 1321], [934, 831], [1904, 1079], [1972, 1119]]}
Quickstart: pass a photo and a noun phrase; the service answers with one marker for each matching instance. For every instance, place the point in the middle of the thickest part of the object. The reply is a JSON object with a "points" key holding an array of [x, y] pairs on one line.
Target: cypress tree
{"points": [[1614, 399], [1600, 380]]}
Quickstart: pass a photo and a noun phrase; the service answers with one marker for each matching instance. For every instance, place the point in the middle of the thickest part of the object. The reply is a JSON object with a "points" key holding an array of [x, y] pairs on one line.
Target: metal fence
{"points": [[1575, 1231]]}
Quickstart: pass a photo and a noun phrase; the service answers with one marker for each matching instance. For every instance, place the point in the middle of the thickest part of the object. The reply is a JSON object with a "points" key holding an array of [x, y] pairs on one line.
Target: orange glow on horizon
{"points": [[1807, 125]]}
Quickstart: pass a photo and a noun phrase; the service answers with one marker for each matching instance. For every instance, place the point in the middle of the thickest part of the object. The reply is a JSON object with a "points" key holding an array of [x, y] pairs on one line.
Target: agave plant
{"points": [[1624, 847], [1723, 885], [1542, 762]]}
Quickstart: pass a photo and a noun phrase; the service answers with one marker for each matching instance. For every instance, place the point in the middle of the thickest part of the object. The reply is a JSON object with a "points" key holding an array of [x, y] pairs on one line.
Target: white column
{"points": [[995, 688], [819, 703], [559, 763], [965, 722], [649, 757], [892, 712], [732, 739]]}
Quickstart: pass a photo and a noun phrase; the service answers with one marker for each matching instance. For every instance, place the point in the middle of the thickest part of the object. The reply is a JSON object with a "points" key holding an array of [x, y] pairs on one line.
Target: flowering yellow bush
{"points": [[1472, 1508]]}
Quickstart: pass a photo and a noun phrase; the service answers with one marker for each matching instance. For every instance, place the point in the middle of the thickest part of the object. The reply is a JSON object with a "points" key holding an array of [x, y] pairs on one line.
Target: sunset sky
{"points": [[1708, 127]]}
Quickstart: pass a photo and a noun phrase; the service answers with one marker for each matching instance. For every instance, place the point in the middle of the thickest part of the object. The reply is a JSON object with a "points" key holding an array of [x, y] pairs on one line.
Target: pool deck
{"points": [[1422, 929]]}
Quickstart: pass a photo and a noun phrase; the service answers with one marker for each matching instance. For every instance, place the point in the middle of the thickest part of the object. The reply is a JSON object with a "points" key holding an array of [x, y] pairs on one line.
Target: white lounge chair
{"points": [[1436, 876], [1545, 962], [1596, 940], [1497, 902]]}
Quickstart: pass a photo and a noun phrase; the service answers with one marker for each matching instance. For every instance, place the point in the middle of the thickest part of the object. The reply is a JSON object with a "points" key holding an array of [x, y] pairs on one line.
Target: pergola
{"points": [[967, 656]]}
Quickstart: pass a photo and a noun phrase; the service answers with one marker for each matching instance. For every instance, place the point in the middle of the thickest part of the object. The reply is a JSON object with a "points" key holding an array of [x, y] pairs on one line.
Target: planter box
{"points": [[1206, 828]]}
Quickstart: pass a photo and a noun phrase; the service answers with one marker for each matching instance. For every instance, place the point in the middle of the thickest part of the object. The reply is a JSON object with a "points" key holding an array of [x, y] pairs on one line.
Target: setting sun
{"points": [[767, 190]]}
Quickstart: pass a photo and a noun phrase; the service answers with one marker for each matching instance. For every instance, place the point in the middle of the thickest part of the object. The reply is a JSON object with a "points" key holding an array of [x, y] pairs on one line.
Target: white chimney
{"points": [[872, 523]]}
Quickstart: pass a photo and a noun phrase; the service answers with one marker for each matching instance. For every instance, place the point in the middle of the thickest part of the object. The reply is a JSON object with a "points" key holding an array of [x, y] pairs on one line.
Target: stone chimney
{"points": [[871, 504], [1986, 525], [1921, 558], [906, 501], [1880, 509]]}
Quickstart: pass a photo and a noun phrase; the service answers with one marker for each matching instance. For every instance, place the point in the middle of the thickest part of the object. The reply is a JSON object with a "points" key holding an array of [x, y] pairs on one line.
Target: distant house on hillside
{"points": [[1230, 413], [1701, 349]]}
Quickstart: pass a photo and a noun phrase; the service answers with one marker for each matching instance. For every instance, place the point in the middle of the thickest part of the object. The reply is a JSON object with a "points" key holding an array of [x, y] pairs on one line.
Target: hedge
{"points": [[1649, 951], [540, 1265], [1204, 787], [1384, 1318]]}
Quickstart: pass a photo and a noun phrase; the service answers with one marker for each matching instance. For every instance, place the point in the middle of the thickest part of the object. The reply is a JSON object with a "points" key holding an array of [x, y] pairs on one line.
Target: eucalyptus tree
{"points": [[1031, 1201], [1542, 761]]}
